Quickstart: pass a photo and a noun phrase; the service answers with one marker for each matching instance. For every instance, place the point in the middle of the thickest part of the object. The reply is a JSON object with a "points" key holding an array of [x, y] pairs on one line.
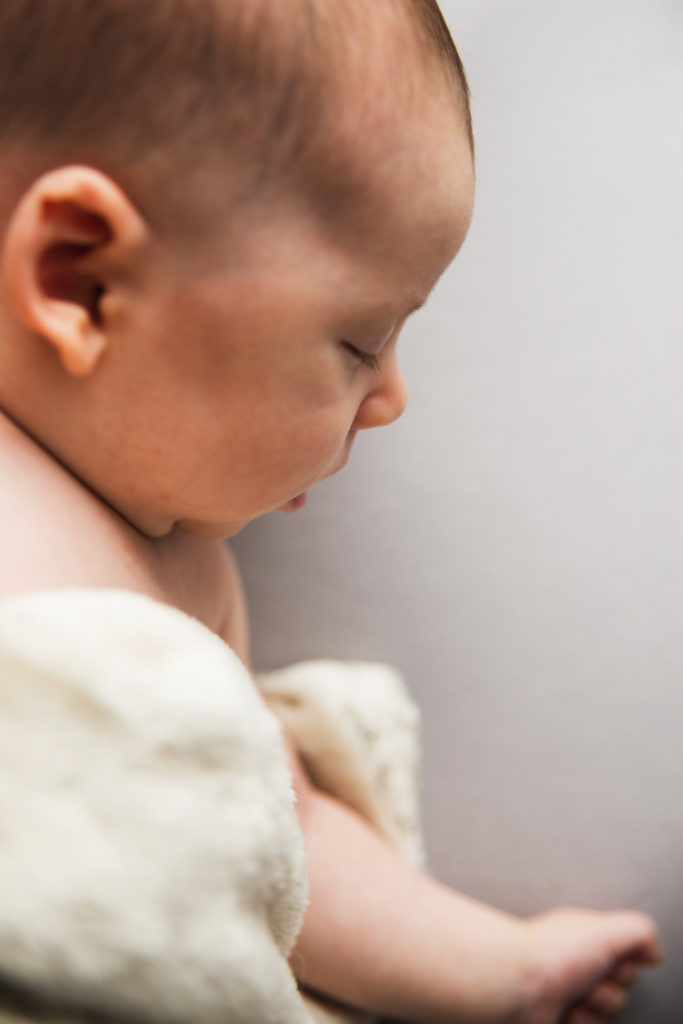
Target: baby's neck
{"points": [[56, 532]]}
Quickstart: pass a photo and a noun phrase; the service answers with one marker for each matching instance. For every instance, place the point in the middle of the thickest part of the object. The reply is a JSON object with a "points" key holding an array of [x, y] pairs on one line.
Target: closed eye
{"points": [[366, 358]]}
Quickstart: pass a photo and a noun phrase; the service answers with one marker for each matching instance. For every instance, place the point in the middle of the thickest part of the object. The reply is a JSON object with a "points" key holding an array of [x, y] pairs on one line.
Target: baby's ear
{"points": [[73, 238]]}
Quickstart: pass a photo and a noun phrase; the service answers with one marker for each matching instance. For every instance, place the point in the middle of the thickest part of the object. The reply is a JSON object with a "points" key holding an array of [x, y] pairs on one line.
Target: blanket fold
{"points": [[151, 864]]}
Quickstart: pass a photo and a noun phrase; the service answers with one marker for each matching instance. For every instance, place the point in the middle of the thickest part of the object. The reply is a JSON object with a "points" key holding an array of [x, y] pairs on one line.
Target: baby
{"points": [[215, 219]]}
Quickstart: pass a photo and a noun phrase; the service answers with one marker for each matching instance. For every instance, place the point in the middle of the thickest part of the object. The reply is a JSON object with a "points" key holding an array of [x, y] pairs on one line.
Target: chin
{"points": [[211, 531]]}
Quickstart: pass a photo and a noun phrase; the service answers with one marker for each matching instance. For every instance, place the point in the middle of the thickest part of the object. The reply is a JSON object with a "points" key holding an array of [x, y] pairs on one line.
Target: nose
{"points": [[387, 399]]}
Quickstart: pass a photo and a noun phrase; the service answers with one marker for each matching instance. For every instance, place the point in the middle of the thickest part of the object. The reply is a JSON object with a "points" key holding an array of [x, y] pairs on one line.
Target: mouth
{"points": [[295, 504], [298, 502]]}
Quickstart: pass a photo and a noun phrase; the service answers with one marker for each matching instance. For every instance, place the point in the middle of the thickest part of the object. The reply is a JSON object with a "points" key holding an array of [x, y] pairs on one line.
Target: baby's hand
{"points": [[583, 964]]}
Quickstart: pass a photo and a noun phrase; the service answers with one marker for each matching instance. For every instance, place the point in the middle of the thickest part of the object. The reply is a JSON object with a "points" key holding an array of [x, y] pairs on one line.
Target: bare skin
{"points": [[85, 543], [434, 956], [152, 403]]}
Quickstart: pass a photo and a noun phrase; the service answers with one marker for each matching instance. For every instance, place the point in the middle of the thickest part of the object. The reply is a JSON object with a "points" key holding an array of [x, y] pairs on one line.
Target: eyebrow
{"points": [[397, 314]]}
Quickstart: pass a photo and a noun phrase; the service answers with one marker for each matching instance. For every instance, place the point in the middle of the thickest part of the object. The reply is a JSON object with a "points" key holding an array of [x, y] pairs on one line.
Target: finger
{"points": [[654, 955], [626, 973], [606, 999], [631, 965], [633, 936], [580, 1015], [649, 949]]}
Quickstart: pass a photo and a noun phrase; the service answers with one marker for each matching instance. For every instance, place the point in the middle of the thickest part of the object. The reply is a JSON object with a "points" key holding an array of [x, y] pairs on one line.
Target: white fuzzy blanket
{"points": [[151, 865]]}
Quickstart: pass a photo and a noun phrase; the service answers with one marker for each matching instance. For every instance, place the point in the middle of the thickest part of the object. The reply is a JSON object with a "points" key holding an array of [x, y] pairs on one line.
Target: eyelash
{"points": [[366, 358]]}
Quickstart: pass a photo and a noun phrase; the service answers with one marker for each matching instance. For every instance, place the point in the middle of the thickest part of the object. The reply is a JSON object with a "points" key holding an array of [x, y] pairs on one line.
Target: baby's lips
{"points": [[295, 504]]}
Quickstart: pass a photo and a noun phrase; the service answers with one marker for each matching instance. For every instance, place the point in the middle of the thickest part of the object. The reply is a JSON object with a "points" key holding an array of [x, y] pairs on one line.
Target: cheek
{"points": [[297, 453], [305, 420], [311, 443]]}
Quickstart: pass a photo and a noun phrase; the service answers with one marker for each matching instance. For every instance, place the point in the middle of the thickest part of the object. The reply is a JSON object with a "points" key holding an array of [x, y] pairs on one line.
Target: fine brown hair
{"points": [[148, 89]]}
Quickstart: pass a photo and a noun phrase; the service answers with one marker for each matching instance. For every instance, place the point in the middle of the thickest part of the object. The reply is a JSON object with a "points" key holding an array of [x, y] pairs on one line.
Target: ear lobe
{"points": [[72, 238]]}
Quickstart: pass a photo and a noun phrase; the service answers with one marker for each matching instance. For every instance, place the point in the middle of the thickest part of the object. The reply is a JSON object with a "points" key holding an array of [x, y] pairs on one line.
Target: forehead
{"points": [[411, 205], [395, 165], [385, 173]]}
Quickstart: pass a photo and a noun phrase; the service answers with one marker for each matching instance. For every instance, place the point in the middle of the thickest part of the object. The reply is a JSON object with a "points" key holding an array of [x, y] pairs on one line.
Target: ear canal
{"points": [[63, 277], [63, 273]]}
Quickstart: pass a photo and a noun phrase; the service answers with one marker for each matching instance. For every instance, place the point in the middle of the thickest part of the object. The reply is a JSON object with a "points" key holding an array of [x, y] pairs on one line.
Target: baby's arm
{"points": [[386, 938]]}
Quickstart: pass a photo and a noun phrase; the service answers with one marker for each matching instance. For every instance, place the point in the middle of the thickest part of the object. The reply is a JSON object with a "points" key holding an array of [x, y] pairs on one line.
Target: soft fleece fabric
{"points": [[151, 864]]}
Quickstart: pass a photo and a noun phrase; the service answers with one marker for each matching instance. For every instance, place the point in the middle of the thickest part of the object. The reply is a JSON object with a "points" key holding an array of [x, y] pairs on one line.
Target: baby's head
{"points": [[215, 224]]}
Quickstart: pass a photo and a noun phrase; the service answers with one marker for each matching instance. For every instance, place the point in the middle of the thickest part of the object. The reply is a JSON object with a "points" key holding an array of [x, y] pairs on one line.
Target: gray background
{"points": [[514, 543]]}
